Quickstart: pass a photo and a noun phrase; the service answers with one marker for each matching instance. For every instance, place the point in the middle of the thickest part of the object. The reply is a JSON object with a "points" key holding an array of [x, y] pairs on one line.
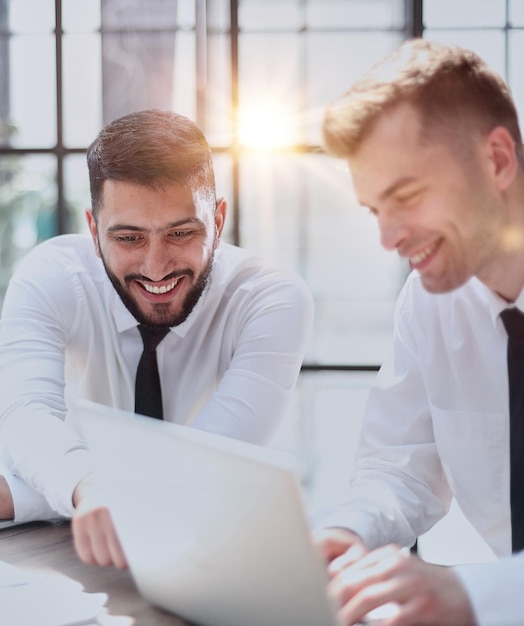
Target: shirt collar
{"points": [[496, 303], [519, 302]]}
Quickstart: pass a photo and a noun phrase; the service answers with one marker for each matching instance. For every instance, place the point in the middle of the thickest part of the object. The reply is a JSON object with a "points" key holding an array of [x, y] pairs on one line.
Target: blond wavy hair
{"points": [[457, 96]]}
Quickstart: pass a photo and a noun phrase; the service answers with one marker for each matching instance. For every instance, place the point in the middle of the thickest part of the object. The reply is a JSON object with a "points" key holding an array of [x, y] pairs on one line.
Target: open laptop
{"points": [[214, 529]]}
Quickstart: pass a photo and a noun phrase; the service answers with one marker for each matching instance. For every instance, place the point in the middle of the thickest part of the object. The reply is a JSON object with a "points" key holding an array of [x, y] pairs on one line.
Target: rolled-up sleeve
{"points": [[37, 444]]}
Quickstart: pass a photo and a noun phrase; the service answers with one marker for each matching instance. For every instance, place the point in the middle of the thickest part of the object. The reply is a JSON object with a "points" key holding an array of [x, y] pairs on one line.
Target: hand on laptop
{"points": [[424, 593], [7, 511], [339, 547], [95, 538]]}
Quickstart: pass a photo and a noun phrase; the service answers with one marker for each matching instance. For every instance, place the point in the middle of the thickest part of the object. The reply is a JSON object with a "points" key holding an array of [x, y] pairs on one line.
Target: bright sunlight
{"points": [[265, 126]]}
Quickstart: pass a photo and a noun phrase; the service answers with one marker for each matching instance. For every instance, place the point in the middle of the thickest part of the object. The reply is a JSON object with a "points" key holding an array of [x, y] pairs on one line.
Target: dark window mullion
{"points": [[61, 217], [235, 152], [415, 18]]}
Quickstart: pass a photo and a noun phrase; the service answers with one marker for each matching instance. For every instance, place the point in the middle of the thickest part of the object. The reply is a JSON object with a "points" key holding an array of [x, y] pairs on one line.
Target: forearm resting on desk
{"points": [[7, 509]]}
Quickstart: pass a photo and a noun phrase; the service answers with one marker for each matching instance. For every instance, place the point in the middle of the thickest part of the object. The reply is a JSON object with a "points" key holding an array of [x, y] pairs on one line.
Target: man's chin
{"points": [[162, 315], [441, 286]]}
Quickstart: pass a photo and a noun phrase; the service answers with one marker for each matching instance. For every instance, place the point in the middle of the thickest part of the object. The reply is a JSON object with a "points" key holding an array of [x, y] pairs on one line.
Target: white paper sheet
{"points": [[30, 598]]}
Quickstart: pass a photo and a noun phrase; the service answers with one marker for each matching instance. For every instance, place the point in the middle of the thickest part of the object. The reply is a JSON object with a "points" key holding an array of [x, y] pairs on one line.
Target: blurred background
{"points": [[256, 76]]}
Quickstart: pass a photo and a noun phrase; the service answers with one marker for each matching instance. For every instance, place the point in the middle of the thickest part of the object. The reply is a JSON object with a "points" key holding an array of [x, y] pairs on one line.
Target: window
{"points": [[255, 75]]}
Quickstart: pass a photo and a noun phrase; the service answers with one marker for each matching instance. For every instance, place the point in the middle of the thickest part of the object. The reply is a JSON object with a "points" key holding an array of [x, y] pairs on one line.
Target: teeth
{"points": [[420, 256], [157, 290]]}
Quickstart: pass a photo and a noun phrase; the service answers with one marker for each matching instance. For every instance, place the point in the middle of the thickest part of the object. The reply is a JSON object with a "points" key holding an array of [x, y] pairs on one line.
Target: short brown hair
{"points": [[150, 148], [455, 92]]}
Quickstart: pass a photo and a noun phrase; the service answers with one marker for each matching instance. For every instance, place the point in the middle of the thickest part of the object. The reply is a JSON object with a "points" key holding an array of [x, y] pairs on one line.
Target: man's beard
{"points": [[163, 317]]}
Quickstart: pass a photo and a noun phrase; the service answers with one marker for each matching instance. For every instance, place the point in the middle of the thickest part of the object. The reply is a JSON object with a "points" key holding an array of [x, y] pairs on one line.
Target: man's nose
{"points": [[393, 231], [157, 261]]}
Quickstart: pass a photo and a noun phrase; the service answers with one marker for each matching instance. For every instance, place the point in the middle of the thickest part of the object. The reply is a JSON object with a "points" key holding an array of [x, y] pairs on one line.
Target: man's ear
{"points": [[91, 222], [503, 157], [220, 217]]}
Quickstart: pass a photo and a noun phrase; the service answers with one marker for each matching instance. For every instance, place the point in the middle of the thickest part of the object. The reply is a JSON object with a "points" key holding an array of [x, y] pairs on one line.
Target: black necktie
{"points": [[148, 393], [514, 322]]}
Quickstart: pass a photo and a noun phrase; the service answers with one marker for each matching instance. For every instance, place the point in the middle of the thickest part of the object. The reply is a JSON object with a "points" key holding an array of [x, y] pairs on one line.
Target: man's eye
{"points": [[180, 234], [409, 199], [127, 238]]}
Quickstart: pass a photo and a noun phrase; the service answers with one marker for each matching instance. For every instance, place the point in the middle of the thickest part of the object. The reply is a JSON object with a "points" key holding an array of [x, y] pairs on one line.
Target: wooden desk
{"points": [[45, 546]]}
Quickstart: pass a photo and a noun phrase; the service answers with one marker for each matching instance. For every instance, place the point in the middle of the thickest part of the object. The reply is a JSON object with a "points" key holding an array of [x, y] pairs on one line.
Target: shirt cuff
{"points": [[29, 505], [337, 517], [75, 466]]}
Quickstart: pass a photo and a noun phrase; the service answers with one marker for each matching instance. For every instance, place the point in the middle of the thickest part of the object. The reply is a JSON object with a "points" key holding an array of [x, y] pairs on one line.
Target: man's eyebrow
{"points": [[395, 186], [134, 228]]}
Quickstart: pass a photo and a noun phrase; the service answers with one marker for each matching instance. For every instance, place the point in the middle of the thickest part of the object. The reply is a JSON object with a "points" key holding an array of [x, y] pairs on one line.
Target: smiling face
{"points": [[157, 246], [440, 209]]}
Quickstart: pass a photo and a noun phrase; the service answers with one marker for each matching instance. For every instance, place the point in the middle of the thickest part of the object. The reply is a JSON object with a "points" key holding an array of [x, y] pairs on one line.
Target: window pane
{"points": [[516, 12], [185, 12], [300, 211], [334, 61], [144, 69], [218, 123], [183, 83], [5, 121], [223, 167], [27, 207], [218, 14], [450, 13], [354, 280], [30, 16], [269, 15], [137, 72], [82, 89], [516, 52], [355, 13], [33, 82], [270, 196], [487, 44], [270, 89], [126, 15], [81, 16], [76, 190]]}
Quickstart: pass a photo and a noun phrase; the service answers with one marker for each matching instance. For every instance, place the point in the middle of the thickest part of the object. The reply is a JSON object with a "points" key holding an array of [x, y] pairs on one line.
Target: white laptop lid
{"points": [[214, 529]]}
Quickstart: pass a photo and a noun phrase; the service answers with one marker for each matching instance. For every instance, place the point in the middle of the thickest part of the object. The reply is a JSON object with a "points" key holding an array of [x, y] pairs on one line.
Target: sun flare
{"points": [[265, 126]]}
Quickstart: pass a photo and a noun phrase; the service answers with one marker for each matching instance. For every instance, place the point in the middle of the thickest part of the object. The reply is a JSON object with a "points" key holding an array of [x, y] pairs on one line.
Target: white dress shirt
{"points": [[437, 425], [230, 368]]}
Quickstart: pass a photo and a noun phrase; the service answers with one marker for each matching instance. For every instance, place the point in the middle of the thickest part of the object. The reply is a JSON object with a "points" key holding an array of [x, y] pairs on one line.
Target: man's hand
{"points": [[7, 508], [94, 534], [339, 547], [426, 595]]}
